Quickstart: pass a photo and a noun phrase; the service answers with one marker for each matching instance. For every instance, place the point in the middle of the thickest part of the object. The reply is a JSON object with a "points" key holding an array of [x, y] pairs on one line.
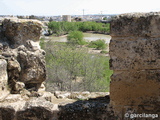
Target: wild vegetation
{"points": [[61, 28], [71, 67], [74, 69]]}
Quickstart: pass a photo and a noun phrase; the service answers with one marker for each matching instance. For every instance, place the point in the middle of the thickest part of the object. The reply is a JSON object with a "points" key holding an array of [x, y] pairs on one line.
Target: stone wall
{"points": [[135, 61]]}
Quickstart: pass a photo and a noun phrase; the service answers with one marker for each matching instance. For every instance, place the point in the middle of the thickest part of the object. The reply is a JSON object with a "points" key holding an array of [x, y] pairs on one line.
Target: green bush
{"points": [[75, 38], [98, 44]]}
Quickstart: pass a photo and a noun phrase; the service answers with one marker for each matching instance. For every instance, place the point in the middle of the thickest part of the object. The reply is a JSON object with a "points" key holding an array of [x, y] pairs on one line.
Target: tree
{"points": [[75, 38], [32, 17]]}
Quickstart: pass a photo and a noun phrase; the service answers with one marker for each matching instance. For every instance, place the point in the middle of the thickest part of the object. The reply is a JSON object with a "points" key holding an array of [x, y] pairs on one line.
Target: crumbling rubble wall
{"points": [[22, 60], [135, 61], [22, 71]]}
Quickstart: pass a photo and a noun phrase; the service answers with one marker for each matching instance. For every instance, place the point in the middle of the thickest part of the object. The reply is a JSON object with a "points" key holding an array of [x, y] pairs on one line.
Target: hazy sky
{"points": [[75, 7]]}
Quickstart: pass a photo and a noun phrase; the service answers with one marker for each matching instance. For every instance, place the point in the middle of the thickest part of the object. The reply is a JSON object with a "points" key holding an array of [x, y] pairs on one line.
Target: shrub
{"points": [[75, 38], [98, 44]]}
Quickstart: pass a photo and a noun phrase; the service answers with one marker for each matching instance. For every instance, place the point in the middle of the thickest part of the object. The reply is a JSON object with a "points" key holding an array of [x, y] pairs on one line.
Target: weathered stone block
{"points": [[137, 90], [136, 24], [3, 79], [136, 54], [135, 87], [32, 66], [3, 72], [18, 31]]}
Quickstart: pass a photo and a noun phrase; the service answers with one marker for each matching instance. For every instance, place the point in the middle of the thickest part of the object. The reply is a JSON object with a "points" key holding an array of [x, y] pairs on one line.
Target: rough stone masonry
{"points": [[135, 61], [19, 48]]}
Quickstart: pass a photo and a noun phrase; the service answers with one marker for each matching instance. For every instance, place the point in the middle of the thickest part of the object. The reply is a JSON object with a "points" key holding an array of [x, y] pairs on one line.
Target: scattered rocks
{"points": [[79, 95], [60, 94]]}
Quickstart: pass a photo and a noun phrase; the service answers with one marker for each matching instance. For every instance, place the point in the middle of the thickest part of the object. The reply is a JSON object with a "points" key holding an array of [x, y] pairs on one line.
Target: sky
{"points": [[76, 7]]}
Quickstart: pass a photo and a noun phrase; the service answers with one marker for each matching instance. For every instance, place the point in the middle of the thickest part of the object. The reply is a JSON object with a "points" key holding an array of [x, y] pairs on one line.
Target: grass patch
{"points": [[104, 52]]}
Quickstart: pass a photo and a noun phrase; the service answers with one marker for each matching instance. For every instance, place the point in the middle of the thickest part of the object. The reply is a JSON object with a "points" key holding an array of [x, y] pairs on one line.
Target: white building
{"points": [[66, 18]]}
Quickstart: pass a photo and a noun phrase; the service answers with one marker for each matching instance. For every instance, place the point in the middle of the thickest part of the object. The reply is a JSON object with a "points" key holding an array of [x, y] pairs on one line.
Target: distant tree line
{"points": [[61, 28], [29, 17]]}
